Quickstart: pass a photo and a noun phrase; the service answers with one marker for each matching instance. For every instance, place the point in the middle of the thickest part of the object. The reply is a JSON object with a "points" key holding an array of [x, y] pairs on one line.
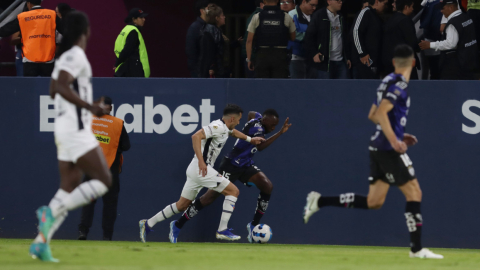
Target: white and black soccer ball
{"points": [[262, 233]]}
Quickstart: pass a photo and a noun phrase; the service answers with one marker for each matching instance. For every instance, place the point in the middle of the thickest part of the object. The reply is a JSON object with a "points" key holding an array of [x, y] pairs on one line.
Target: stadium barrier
{"points": [[326, 150]]}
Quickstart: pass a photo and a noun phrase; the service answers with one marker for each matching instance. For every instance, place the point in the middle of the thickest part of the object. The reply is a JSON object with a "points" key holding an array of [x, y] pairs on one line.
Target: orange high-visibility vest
{"points": [[38, 34], [108, 129]]}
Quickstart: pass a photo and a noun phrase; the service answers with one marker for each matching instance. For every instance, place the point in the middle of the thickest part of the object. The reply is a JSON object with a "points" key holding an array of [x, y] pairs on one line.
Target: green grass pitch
{"points": [[96, 255]]}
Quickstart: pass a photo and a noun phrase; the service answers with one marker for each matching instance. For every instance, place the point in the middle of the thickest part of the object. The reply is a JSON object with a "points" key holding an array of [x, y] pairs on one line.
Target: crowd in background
{"points": [[299, 39]]}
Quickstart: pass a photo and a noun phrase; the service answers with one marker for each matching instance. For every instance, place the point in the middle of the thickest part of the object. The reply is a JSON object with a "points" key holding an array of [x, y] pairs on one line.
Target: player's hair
{"points": [[75, 25], [201, 4], [401, 4], [403, 54], [232, 109], [213, 12], [270, 112], [35, 2]]}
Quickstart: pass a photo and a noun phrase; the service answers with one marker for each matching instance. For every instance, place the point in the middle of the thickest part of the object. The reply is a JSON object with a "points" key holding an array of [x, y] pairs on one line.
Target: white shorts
{"points": [[73, 145], [195, 182]]}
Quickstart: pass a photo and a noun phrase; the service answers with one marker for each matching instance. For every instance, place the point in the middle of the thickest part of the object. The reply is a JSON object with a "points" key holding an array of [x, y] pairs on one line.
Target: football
{"points": [[262, 233]]}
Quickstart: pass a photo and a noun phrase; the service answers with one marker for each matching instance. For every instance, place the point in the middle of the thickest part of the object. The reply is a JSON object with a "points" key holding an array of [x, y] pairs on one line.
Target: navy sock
{"points": [[414, 224], [191, 211], [346, 200], [262, 205]]}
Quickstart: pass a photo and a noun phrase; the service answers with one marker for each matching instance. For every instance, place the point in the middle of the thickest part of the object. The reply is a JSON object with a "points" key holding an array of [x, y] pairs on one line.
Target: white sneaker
{"points": [[312, 205], [425, 253]]}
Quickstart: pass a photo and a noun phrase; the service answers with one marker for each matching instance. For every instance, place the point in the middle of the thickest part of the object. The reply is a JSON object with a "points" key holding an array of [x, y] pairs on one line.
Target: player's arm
{"points": [[371, 114], [381, 115], [62, 87], [270, 140], [239, 135], [197, 147]]}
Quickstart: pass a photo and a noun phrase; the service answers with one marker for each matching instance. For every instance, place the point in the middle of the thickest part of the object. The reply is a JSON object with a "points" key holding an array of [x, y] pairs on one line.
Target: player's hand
{"points": [[399, 147], [409, 139], [257, 140], [203, 168], [285, 126], [365, 60], [424, 45], [316, 58]]}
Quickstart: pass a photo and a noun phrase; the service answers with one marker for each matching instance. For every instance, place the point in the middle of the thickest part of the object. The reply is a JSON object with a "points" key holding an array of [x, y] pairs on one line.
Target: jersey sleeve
{"points": [[258, 115], [71, 63], [393, 93], [213, 130]]}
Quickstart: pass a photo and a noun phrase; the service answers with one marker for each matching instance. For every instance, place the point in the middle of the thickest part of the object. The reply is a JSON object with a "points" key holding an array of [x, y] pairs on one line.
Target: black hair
{"points": [[107, 100], [258, 2], [370, 2], [74, 26], [232, 109], [64, 9], [35, 2], [401, 4], [403, 51], [270, 112], [201, 4]]}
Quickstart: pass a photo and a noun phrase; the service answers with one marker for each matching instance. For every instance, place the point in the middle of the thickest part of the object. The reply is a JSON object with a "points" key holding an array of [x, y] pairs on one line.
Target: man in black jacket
{"points": [[459, 49], [367, 40], [193, 37], [399, 29], [325, 42]]}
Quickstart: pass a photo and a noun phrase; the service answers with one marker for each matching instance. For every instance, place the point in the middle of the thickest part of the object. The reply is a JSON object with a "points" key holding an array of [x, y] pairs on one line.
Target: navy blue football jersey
{"points": [[242, 153], [393, 88]]}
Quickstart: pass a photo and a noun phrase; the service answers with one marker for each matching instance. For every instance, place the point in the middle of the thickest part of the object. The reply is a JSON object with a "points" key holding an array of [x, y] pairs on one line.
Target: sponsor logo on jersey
{"points": [[102, 139]]}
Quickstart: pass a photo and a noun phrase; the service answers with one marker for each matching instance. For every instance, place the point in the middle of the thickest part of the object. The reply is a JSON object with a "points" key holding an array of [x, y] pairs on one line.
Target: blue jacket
{"points": [[301, 24]]}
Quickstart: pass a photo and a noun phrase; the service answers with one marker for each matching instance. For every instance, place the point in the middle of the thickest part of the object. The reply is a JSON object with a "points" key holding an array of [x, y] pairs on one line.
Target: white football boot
{"points": [[312, 205], [425, 253]]}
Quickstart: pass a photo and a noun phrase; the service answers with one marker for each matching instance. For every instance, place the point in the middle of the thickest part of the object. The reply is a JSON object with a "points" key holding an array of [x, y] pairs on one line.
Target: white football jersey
{"points": [[68, 117], [216, 136]]}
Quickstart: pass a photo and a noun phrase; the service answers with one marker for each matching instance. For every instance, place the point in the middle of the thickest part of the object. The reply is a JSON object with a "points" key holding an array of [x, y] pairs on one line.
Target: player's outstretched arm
{"points": [[371, 114], [381, 115], [270, 140], [255, 141], [62, 87], [409, 139], [197, 147]]}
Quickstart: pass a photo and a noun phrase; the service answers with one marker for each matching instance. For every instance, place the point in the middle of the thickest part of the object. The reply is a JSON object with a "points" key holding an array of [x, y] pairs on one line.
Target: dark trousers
{"points": [[37, 69], [452, 70], [361, 71], [434, 66], [110, 201], [271, 63]]}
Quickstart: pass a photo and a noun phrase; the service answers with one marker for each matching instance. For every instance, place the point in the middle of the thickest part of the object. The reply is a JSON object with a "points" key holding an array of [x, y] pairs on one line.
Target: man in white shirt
{"points": [[459, 49]]}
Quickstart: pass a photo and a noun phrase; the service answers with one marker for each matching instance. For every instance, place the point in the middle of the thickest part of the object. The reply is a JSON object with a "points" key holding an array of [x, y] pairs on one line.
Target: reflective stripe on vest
{"points": [[108, 129], [38, 34], [120, 44]]}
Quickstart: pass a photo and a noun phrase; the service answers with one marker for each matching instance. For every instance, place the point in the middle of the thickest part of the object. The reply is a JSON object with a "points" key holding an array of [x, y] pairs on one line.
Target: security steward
{"points": [[459, 48], [130, 49], [37, 28], [269, 33], [113, 139]]}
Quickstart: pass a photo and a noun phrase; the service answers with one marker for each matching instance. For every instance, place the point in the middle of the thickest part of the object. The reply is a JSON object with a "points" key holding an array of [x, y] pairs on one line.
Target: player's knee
{"points": [[183, 205], [235, 191], [375, 203], [268, 187]]}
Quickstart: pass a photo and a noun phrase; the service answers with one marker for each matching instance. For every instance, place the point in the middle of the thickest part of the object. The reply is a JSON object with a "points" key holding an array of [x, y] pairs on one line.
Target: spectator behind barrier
{"points": [[272, 29], [130, 49], [301, 16], [367, 40], [399, 29], [192, 47], [325, 39], [429, 21], [212, 44], [459, 49], [287, 5], [249, 73], [118, 143], [473, 8], [38, 38], [62, 11]]}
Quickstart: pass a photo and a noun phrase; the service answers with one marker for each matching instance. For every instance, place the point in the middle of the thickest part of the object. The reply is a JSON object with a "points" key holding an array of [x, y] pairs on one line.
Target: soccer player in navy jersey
{"points": [[389, 163], [238, 165]]}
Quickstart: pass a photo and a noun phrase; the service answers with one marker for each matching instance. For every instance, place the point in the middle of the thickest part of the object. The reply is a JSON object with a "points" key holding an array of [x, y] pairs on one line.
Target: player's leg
{"points": [[231, 192], [261, 181], [169, 210], [413, 215], [198, 204]]}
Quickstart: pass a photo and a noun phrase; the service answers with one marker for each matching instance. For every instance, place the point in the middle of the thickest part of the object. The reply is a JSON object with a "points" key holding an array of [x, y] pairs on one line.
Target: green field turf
{"points": [[93, 255]]}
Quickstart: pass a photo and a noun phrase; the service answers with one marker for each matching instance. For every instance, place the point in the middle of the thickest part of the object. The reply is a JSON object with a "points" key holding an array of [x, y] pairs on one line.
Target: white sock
{"points": [[80, 196], [57, 199], [228, 207], [166, 213]]}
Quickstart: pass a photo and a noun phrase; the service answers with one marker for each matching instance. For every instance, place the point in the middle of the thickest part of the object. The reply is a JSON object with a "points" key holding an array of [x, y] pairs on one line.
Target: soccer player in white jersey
{"points": [[207, 144], [77, 149]]}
